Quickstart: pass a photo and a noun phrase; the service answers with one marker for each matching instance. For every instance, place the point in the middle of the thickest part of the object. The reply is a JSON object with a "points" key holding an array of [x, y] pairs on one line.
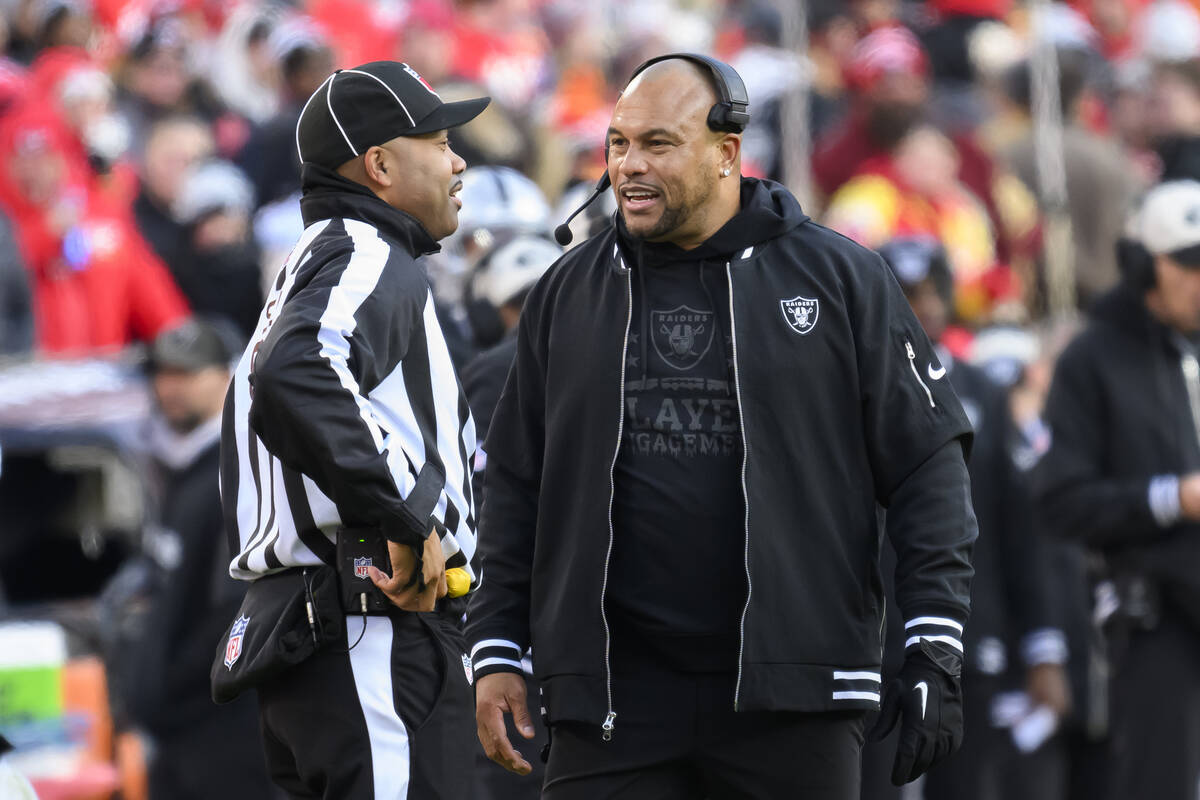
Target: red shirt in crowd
{"points": [[96, 284]]}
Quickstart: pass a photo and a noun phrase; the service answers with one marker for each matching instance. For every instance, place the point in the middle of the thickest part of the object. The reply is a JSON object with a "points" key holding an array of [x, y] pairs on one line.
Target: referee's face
{"points": [[426, 182]]}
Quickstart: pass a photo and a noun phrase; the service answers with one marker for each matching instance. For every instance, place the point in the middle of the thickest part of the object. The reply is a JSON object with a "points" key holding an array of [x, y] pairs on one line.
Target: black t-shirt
{"points": [[677, 576]]}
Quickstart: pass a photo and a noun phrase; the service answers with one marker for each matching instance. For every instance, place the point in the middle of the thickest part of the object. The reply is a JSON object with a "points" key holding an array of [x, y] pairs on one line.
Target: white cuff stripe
{"points": [[950, 640], [856, 696], [1045, 646], [945, 622], [857, 676], [487, 662], [495, 643], [1164, 500]]}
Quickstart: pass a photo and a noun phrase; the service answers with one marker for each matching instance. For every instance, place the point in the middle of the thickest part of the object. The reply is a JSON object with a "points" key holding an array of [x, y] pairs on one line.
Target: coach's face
{"points": [[663, 160], [420, 176]]}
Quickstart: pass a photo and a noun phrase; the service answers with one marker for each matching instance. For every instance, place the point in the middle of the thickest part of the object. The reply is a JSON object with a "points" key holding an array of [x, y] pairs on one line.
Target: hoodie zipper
{"points": [[912, 364], [610, 718], [737, 384]]}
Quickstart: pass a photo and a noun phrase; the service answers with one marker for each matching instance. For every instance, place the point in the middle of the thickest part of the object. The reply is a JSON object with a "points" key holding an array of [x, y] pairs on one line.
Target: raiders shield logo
{"points": [[682, 335], [233, 648], [360, 567], [800, 313]]}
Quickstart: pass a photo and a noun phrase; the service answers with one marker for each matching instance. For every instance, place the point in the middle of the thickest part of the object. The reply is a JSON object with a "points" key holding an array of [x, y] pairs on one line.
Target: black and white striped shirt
{"points": [[345, 408]]}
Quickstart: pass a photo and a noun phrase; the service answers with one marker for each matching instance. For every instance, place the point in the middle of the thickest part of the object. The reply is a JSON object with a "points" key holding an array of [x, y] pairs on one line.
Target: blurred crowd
{"points": [[149, 185]]}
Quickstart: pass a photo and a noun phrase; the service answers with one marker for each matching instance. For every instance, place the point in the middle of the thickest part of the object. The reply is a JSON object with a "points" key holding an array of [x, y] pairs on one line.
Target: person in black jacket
{"points": [[345, 425], [200, 750], [710, 401], [1014, 641], [496, 291], [1123, 475]]}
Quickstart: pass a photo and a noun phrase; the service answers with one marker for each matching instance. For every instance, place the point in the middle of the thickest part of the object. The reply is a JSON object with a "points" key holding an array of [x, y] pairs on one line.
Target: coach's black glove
{"points": [[927, 694]]}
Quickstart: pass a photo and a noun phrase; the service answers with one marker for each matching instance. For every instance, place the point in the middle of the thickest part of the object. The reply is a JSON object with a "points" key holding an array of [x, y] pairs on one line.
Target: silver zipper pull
{"points": [[912, 364], [608, 726]]}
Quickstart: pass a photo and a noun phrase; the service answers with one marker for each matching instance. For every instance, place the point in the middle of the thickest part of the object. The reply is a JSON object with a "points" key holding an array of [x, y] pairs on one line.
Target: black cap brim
{"points": [[449, 115], [1188, 257]]}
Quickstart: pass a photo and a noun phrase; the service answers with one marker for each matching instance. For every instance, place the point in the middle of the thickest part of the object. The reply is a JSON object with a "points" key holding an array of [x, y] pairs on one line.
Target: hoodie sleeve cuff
{"points": [[1164, 500], [1044, 646], [935, 629], [496, 655]]}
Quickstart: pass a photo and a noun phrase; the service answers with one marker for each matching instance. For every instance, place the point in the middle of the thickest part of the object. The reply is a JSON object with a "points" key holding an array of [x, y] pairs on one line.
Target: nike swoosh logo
{"points": [[936, 374], [923, 688]]}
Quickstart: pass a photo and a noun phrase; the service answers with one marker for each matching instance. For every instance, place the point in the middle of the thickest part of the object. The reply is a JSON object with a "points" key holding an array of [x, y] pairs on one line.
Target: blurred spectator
{"points": [[913, 191], [245, 67], [16, 304], [499, 204], [890, 80], [1101, 185], [174, 147], [499, 45], [427, 41], [1013, 640], [1122, 475], [96, 284], [1174, 118], [201, 750], [217, 267], [1073, 764], [53, 23], [771, 72], [269, 157], [156, 82], [501, 279]]}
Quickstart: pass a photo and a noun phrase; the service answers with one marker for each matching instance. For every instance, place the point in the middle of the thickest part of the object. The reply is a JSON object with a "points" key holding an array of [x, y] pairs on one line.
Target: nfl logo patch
{"points": [[360, 567], [233, 649]]}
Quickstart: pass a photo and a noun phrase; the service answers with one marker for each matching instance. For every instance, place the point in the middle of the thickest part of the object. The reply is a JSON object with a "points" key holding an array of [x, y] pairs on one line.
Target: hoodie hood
{"points": [[1123, 307], [768, 211]]}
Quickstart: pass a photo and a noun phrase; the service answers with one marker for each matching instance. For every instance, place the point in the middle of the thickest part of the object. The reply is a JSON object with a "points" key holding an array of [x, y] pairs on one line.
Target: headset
{"points": [[730, 114]]}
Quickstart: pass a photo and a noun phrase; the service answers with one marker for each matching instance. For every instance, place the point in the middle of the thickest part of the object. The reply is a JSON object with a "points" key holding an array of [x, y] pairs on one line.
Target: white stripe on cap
{"points": [[301, 119], [329, 102], [403, 107]]}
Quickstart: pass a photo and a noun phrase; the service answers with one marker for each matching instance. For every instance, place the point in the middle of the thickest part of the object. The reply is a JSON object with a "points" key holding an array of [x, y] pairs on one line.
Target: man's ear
{"points": [[731, 151], [376, 161]]}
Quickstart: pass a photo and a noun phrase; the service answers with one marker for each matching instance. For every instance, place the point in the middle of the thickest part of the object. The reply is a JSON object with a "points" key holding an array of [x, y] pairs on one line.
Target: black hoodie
{"points": [[1122, 429], [841, 409]]}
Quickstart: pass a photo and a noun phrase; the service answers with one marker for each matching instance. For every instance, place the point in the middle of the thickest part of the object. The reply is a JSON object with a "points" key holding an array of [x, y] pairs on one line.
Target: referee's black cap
{"points": [[356, 109]]}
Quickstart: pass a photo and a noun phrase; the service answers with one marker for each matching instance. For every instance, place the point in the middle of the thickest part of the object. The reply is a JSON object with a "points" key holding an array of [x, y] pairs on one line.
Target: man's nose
{"points": [[633, 162]]}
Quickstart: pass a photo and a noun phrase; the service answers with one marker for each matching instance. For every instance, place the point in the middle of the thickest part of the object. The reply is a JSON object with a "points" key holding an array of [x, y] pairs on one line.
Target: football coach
{"points": [[711, 402]]}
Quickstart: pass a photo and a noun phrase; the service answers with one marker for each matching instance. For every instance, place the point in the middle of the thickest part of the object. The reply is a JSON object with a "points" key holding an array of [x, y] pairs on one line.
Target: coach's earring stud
{"points": [[725, 172]]}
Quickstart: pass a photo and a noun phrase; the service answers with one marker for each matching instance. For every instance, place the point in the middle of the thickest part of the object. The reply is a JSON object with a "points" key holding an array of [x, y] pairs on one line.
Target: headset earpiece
{"points": [[731, 112]]}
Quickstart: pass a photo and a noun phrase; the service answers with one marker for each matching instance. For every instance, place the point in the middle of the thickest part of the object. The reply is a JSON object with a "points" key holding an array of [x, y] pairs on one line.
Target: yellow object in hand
{"points": [[458, 582]]}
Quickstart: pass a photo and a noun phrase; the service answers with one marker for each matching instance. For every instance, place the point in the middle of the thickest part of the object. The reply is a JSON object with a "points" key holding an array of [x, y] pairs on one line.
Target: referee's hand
{"points": [[404, 561], [495, 695]]}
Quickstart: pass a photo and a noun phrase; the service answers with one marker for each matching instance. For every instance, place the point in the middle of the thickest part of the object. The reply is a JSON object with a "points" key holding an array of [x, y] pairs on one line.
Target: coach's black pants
{"points": [[677, 737], [392, 719], [1156, 713]]}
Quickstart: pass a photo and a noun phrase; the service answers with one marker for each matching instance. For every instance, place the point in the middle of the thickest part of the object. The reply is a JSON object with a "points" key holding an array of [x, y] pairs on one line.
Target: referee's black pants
{"points": [[677, 737], [391, 719]]}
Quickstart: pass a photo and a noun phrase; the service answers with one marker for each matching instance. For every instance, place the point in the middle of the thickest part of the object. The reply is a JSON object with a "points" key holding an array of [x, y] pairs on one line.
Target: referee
{"points": [[344, 413]]}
